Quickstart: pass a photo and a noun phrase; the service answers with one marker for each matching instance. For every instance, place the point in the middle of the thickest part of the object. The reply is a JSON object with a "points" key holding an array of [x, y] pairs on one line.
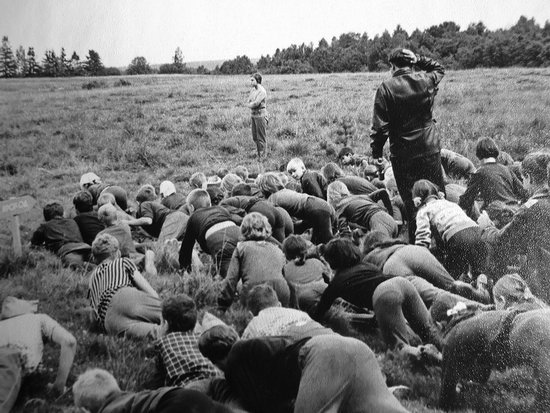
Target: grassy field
{"points": [[167, 127]]}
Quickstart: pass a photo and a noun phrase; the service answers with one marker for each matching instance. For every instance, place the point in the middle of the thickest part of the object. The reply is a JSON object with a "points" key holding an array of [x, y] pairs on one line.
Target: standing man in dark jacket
{"points": [[403, 113]]}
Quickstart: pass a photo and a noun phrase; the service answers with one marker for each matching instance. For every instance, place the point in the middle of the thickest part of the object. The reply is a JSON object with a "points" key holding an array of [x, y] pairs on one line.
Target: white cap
{"points": [[89, 178], [167, 188]]}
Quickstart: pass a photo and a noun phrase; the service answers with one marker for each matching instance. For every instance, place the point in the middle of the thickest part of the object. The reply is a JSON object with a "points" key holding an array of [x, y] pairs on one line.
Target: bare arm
{"points": [[68, 349], [142, 284], [139, 221]]}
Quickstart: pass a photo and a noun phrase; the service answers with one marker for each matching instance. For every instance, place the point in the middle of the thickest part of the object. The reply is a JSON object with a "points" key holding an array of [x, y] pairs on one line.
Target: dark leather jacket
{"points": [[403, 112]]}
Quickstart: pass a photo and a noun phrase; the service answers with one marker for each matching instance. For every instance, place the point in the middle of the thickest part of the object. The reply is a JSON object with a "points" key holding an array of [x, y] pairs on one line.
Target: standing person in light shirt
{"points": [[256, 103]]}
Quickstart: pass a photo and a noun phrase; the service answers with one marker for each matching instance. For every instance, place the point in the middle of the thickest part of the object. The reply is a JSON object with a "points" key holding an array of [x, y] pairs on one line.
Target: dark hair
{"points": [[146, 193], [504, 158], [222, 172], [216, 342], [536, 164], [345, 151], [258, 77], [486, 148], [83, 201], [424, 189], [241, 189], [341, 253], [216, 194], [260, 297], [399, 58], [295, 248], [52, 210], [180, 312], [331, 172]]}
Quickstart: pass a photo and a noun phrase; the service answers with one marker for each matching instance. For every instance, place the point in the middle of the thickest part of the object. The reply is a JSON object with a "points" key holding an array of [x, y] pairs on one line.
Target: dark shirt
{"points": [[315, 184], [174, 201], [358, 209], [199, 222], [150, 401], [356, 285], [55, 233], [157, 212], [403, 112], [265, 372], [357, 185], [89, 225], [493, 182], [455, 165]]}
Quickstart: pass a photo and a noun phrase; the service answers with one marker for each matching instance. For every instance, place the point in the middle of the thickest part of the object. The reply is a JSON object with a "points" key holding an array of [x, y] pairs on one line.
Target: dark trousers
{"points": [[258, 133], [221, 245], [319, 216], [407, 172], [466, 249]]}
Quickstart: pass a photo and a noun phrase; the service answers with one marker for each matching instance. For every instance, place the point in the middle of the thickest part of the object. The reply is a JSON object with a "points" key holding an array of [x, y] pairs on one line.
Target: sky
{"points": [[120, 30]]}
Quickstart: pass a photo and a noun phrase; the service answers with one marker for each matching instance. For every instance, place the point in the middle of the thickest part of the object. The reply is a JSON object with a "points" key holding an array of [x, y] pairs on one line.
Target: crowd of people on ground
{"points": [[452, 262]]}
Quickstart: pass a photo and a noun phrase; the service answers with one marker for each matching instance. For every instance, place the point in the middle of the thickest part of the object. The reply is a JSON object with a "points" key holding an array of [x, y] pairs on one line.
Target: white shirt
{"points": [[275, 321]]}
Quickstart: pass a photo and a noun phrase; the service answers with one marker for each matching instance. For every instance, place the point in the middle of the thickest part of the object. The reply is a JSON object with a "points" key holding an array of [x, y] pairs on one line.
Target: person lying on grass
{"points": [[97, 391], [92, 183], [313, 183], [86, 218], [122, 299], [22, 337], [516, 333]]}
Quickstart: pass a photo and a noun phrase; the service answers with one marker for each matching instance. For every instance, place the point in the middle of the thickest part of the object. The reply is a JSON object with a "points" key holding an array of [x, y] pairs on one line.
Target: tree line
{"points": [[525, 44]]}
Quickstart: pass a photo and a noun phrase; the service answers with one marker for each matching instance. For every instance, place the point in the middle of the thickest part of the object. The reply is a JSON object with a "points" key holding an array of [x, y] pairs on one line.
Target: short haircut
{"points": [[504, 158], [486, 148], [146, 193], [52, 210], [257, 77], [269, 183], [536, 165], [255, 227], [241, 189], [294, 164], [398, 58], [241, 171], [180, 312], [216, 194], [513, 288], [221, 172], [92, 388], [198, 180], [216, 342], [342, 253], [345, 151], [83, 201], [229, 181], [104, 246], [423, 189], [260, 297], [331, 172], [336, 191], [106, 198], [198, 198], [294, 246], [107, 214], [283, 177]]}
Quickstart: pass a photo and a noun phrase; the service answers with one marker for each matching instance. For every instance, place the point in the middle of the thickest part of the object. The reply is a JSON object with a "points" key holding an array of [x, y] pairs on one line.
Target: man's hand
{"points": [[410, 55]]}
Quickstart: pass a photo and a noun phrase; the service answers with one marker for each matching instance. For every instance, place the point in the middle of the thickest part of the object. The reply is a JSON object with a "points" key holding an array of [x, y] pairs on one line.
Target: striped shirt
{"points": [[179, 354], [106, 280]]}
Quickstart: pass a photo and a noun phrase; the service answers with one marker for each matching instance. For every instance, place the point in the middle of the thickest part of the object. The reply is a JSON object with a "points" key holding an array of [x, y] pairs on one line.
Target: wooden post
{"points": [[16, 236], [11, 209]]}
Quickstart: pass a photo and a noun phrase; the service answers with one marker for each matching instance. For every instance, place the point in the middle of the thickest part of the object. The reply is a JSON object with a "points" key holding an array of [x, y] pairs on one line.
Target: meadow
{"points": [[145, 129]]}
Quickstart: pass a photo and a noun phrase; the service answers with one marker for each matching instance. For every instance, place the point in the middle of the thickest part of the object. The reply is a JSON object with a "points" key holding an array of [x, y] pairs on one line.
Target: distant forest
{"points": [[525, 44]]}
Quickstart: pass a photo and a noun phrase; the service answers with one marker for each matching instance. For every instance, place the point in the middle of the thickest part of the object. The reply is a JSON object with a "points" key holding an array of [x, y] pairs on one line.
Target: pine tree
{"points": [[93, 65], [75, 65], [178, 59], [50, 64], [8, 66], [64, 68], [21, 62], [33, 68]]}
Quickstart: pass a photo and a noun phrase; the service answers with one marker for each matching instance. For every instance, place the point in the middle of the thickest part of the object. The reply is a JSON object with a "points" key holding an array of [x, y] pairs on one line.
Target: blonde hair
{"points": [[255, 227], [515, 290], [92, 388], [294, 164], [198, 198], [107, 214], [229, 181], [198, 180], [106, 198], [283, 177], [104, 246], [241, 171], [269, 183], [336, 191]]}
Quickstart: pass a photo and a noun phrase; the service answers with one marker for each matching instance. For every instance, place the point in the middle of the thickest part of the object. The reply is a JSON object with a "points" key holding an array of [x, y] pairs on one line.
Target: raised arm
{"points": [[435, 69]]}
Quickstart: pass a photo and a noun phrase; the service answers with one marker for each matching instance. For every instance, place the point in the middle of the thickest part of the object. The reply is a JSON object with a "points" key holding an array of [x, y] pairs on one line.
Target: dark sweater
{"points": [[89, 225], [157, 212], [55, 233], [315, 184]]}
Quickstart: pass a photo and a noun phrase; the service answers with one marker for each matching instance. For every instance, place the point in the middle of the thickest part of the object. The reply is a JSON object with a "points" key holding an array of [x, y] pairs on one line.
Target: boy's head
{"points": [[105, 246], [336, 191], [93, 387], [89, 179], [216, 343], [106, 198], [83, 202], [167, 188], [241, 189], [269, 183], [255, 227], [486, 148], [296, 168], [242, 172], [52, 210], [221, 172], [400, 57], [534, 168], [341, 253], [345, 155], [260, 297], [294, 246], [216, 195], [146, 193], [107, 214], [197, 199], [198, 181], [257, 78], [180, 312], [331, 172], [422, 190], [229, 181]]}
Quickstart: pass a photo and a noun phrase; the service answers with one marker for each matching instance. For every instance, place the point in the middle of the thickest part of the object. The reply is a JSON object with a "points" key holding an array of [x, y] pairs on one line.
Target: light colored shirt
{"points": [[275, 321], [256, 101], [25, 333]]}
